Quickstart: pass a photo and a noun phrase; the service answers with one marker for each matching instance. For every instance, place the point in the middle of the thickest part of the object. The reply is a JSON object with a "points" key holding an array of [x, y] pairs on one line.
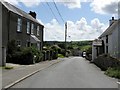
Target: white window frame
{"points": [[18, 43], [32, 28], [28, 27], [19, 25], [38, 30]]}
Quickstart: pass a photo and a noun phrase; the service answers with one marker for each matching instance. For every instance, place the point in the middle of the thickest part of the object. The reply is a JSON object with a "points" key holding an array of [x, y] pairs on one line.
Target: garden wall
{"points": [[105, 61]]}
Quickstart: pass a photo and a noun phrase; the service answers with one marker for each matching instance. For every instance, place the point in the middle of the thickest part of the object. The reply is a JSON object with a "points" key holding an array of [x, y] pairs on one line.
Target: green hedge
{"points": [[28, 55]]}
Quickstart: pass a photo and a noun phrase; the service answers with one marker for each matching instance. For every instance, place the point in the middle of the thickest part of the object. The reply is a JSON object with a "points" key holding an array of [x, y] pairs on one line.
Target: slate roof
{"points": [[110, 29], [18, 11]]}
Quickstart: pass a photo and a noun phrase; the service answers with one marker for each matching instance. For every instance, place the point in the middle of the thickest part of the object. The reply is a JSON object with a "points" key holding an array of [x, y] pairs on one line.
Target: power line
{"points": [[44, 6], [58, 11], [52, 12]]}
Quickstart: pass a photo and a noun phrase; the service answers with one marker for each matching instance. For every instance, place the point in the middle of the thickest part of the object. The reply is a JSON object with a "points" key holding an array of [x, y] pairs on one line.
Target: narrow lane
{"points": [[74, 72]]}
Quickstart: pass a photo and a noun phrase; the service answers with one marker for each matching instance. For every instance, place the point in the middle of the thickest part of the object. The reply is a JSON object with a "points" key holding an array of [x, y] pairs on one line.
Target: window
{"points": [[18, 43], [38, 46], [19, 25], [28, 44], [38, 30], [28, 27], [106, 49], [32, 28], [106, 38]]}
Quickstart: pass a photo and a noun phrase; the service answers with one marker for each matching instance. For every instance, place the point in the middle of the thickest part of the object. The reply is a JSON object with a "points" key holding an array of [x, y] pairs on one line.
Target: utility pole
{"points": [[65, 38]]}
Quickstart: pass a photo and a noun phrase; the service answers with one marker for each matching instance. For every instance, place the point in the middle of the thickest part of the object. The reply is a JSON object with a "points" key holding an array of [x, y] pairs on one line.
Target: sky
{"points": [[86, 19]]}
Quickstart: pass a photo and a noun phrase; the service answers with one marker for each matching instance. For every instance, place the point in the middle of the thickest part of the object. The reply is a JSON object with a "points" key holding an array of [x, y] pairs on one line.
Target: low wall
{"points": [[105, 61]]}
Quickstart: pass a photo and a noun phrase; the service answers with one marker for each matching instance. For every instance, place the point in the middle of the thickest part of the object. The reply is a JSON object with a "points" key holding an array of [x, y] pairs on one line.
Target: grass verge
{"points": [[8, 67], [113, 72]]}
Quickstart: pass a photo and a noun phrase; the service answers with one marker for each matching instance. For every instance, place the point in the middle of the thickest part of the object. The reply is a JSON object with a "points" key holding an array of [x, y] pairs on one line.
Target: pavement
{"points": [[21, 72]]}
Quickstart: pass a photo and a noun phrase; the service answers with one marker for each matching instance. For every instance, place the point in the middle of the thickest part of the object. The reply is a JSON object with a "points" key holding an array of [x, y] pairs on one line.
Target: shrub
{"points": [[27, 56], [55, 55], [62, 52], [22, 55], [11, 47], [44, 55], [36, 54], [61, 56]]}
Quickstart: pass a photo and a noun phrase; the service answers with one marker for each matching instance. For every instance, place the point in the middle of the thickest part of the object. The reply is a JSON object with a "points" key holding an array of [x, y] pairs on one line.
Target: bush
{"points": [[27, 55], [61, 56], [38, 55], [11, 47], [55, 55], [62, 52]]}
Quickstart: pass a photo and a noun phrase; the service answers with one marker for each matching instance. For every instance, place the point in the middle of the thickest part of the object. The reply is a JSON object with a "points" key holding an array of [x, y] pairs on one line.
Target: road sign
{"points": [[97, 42]]}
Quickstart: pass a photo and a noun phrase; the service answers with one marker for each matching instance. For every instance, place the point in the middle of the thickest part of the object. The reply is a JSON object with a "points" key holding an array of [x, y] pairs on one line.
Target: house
{"points": [[109, 41], [20, 26]]}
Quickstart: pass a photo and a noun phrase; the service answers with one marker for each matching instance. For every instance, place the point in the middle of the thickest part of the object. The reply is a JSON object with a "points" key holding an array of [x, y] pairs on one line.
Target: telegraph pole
{"points": [[65, 38]]}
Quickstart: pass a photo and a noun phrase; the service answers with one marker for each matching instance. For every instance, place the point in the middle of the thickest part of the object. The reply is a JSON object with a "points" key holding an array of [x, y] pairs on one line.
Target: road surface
{"points": [[74, 72]]}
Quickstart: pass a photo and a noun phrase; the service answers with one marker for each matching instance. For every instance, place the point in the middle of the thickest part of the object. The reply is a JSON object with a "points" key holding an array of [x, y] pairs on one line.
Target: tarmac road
{"points": [[74, 72]]}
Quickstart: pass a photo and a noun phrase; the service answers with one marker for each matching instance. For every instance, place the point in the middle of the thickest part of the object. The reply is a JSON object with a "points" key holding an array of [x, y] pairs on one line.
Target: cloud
{"points": [[105, 6], [95, 23], [76, 31], [53, 31], [27, 3], [30, 3], [72, 4], [98, 6]]}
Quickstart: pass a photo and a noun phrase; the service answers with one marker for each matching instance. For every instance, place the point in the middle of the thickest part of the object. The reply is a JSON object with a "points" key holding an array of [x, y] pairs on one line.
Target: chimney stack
{"points": [[111, 21], [33, 14], [112, 18]]}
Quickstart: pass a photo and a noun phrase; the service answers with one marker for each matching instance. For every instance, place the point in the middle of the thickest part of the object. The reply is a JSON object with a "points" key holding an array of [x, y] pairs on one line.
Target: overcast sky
{"points": [[86, 19]]}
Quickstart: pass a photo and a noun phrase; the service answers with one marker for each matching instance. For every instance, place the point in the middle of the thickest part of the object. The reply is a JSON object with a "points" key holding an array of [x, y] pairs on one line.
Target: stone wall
{"points": [[105, 61]]}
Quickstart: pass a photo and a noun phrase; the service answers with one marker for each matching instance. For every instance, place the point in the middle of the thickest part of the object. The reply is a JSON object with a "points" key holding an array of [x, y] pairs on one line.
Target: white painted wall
{"points": [[115, 42], [110, 44], [119, 39], [94, 53]]}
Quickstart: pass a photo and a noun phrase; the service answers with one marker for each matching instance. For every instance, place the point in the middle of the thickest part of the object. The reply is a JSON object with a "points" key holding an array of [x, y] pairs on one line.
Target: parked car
{"points": [[84, 54]]}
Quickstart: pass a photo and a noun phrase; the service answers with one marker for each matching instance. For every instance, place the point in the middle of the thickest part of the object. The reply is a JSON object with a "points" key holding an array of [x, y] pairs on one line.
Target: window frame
{"points": [[106, 38], [38, 30], [19, 24], [32, 28], [28, 27], [19, 43]]}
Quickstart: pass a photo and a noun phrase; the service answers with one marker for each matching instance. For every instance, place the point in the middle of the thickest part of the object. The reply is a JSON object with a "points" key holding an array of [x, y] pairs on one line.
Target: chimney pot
{"points": [[112, 18], [112, 21], [33, 14]]}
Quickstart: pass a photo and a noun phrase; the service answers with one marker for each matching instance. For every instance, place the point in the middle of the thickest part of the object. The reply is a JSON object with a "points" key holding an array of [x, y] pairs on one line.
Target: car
{"points": [[84, 54]]}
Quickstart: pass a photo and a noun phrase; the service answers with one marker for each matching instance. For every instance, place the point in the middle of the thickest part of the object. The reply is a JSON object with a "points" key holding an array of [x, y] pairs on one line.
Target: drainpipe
{"points": [[8, 24]]}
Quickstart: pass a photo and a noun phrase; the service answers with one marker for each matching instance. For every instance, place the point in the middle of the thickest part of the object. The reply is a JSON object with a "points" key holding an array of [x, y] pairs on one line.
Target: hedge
{"points": [[28, 55]]}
